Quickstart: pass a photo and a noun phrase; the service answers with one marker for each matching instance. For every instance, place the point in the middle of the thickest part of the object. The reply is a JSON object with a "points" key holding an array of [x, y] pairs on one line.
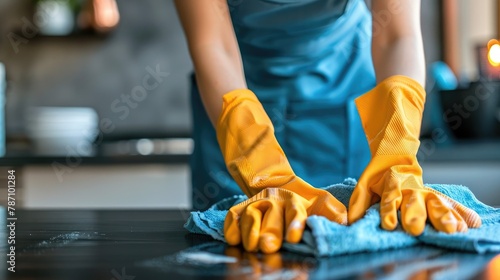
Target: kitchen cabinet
{"points": [[107, 186]]}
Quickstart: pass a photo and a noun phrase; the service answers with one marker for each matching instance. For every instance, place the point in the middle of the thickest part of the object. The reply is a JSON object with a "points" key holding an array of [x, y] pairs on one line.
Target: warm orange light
{"points": [[106, 14], [493, 269], [494, 55], [494, 52]]}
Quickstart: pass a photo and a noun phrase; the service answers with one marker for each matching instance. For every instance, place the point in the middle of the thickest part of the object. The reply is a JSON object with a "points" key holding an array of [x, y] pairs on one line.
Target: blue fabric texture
{"points": [[325, 238]]}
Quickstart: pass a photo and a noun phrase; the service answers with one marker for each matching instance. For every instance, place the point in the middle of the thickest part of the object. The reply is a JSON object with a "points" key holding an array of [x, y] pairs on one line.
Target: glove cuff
{"points": [[381, 94], [391, 114], [232, 99], [249, 147], [403, 81]]}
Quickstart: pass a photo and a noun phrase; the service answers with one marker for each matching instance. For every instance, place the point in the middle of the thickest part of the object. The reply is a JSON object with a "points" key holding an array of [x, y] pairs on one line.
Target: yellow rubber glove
{"points": [[391, 115], [279, 201]]}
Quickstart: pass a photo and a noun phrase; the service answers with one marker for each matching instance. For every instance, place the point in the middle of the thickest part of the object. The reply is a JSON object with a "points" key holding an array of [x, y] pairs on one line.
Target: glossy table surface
{"points": [[152, 244]]}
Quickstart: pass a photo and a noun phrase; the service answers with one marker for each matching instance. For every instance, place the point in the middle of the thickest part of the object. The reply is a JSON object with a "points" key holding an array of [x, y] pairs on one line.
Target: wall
{"points": [[96, 71], [477, 25], [104, 187]]}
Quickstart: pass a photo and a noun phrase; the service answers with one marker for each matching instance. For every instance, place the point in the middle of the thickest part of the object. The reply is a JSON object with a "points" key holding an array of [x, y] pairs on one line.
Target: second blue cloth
{"points": [[325, 238]]}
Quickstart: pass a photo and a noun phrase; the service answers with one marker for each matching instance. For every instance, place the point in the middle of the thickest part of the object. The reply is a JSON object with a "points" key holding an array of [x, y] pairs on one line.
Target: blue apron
{"points": [[306, 60]]}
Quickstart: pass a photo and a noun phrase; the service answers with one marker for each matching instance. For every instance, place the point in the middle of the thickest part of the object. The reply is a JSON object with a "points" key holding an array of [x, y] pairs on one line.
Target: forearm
{"points": [[214, 51], [397, 47], [217, 72], [401, 56]]}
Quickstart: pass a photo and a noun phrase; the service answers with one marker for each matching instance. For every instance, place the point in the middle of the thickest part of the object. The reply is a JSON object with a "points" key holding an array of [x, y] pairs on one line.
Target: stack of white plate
{"points": [[62, 131]]}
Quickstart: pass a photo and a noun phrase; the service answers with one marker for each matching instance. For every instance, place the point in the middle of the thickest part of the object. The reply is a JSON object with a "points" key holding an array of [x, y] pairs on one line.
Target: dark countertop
{"points": [[152, 244]]}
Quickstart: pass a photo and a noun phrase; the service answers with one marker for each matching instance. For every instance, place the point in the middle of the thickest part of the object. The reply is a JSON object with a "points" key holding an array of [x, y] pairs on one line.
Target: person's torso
{"points": [[292, 27], [306, 60], [300, 48]]}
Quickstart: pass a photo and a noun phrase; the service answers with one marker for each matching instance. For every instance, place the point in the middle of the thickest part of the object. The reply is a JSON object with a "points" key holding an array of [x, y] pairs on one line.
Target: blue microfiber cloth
{"points": [[325, 238]]}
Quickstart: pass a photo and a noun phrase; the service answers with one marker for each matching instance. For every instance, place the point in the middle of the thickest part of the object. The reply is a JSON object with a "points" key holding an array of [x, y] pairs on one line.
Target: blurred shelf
{"points": [[126, 151], [123, 150], [94, 160]]}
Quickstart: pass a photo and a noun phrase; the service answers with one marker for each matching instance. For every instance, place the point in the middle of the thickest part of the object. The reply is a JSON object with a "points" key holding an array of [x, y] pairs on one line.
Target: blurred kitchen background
{"points": [[95, 101]]}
